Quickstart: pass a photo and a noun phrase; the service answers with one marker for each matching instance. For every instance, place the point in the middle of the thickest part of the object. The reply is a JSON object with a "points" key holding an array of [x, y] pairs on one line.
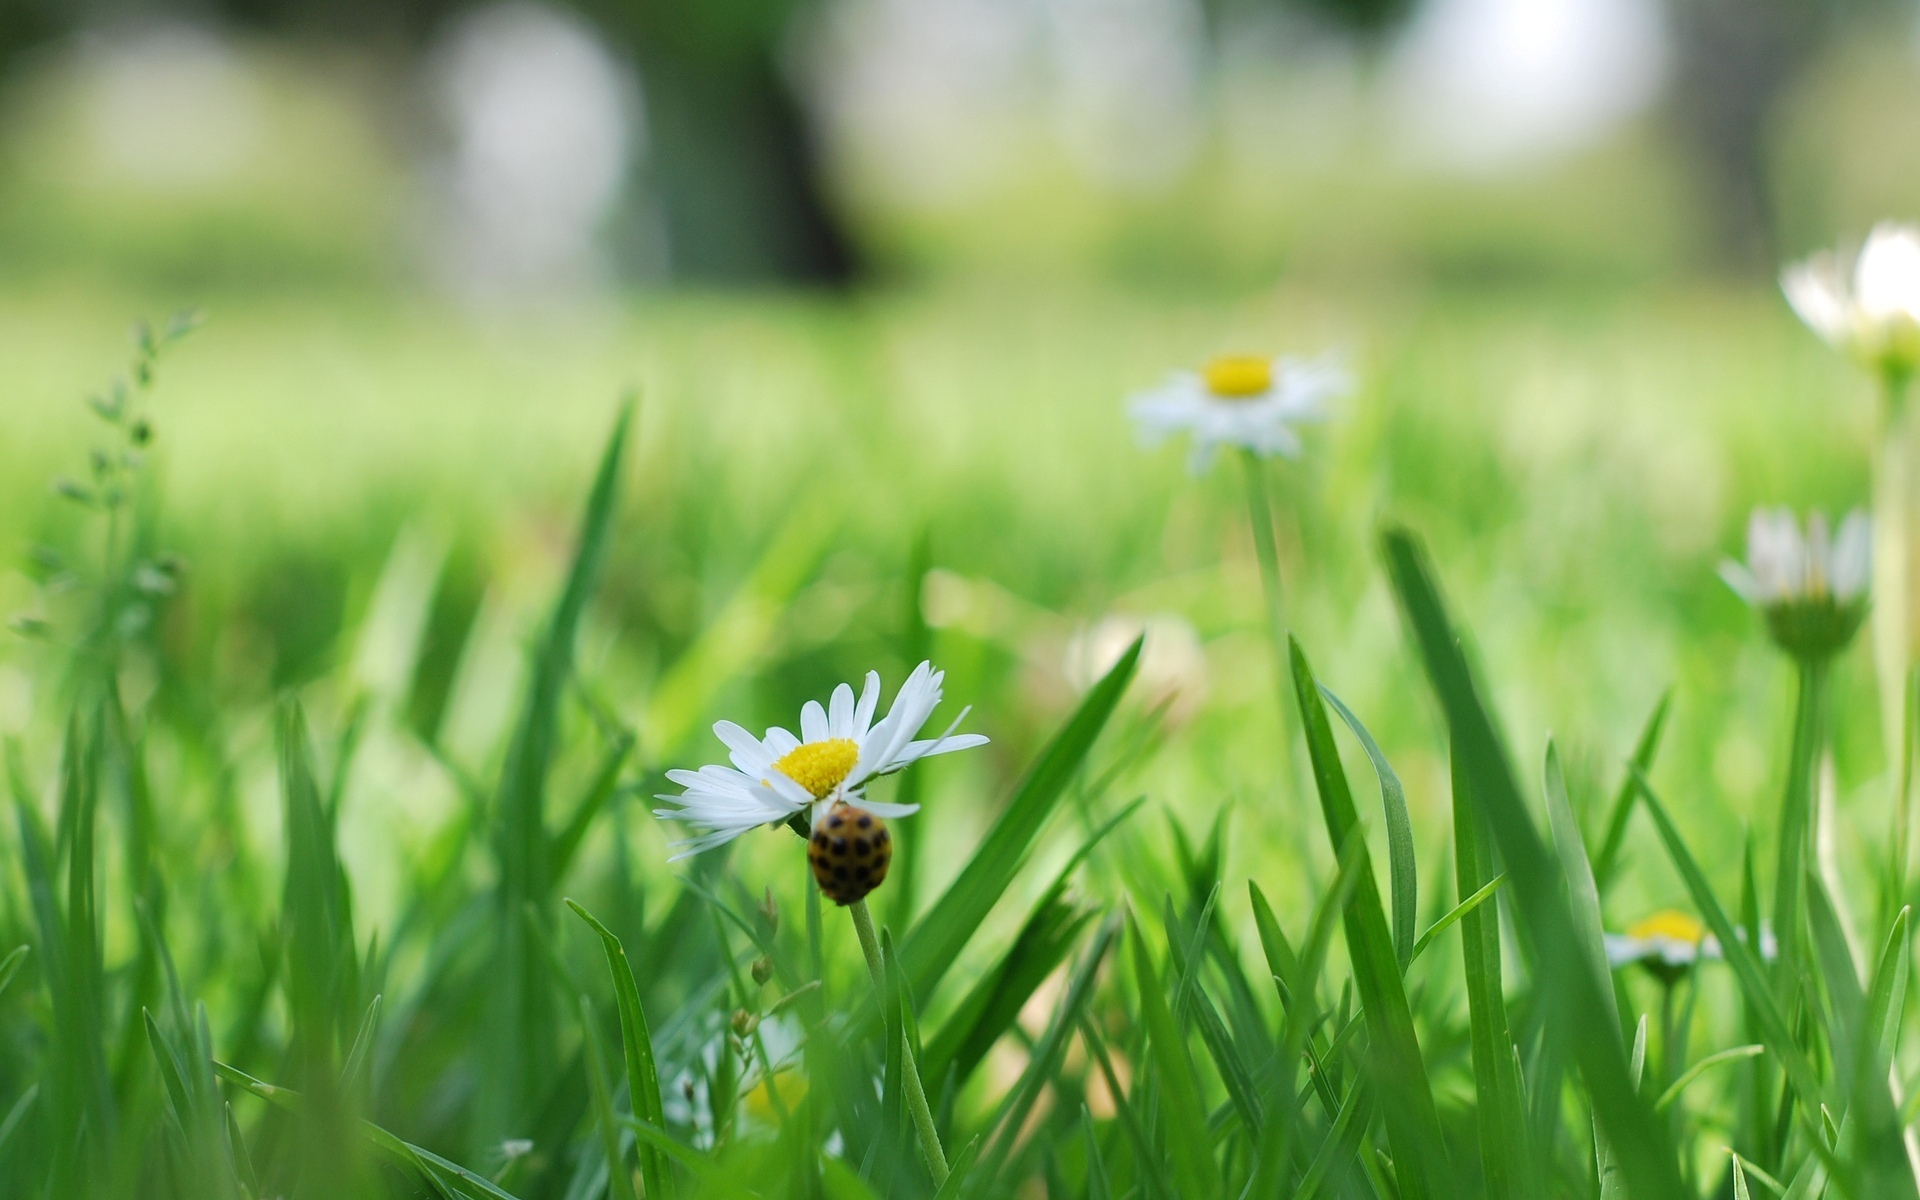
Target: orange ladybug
{"points": [[849, 853]]}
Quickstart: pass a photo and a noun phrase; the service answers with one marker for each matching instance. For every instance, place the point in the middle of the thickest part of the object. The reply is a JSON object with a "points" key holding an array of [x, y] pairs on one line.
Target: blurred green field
{"points": [[377, 497]]}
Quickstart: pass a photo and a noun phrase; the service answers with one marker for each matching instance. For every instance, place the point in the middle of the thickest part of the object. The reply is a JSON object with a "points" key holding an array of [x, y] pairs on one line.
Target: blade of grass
{"points": [[1456, 912], [643, 1078], [1399, 1071], [618, 1180], [1701, 1068], [1402, 877], [933, 945], [1576, 1006], [1608, 860], [1181, 1109]]}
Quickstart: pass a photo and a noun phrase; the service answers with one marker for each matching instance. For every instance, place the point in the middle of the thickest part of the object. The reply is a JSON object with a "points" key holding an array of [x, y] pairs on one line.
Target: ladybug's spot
{"points": [[860, 847], [865, 821], [820, 840], [840, 873], [861, 874]]}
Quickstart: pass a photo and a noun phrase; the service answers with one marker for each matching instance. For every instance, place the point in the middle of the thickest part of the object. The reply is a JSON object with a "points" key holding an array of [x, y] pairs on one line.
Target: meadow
{"points": [[333, 750]]}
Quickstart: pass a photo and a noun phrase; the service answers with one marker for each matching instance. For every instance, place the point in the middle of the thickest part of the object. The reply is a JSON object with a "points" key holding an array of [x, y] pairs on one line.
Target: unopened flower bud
{"points": [[744, 1023], [762, 969], [770, 913]]}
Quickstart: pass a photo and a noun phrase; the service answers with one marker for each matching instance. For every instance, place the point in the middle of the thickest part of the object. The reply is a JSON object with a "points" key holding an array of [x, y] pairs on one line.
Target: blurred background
{"points": [[884, 271]]}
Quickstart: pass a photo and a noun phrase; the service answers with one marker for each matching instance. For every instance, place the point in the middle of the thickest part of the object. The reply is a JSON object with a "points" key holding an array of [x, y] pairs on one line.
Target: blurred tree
{"points": [[1737, 60], [731, 158]]}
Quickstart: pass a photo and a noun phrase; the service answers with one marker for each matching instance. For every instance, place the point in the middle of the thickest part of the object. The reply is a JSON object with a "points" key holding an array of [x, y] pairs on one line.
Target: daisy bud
{"points": [[744, 1023], [1810, 585], [762, 969]]}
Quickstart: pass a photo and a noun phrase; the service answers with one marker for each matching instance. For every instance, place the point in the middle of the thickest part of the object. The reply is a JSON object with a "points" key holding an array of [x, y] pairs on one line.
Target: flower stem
{"points": [[1260, 514], [1894, 561], [917, 1105]]}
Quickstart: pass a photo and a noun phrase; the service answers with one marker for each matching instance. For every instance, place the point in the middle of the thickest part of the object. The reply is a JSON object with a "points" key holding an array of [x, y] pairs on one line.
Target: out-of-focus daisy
{"points": [[1811, 586], [840, 749], [1668, 943], [1173, 664], [1665, 941], [1870, 307], [1241, 400]]}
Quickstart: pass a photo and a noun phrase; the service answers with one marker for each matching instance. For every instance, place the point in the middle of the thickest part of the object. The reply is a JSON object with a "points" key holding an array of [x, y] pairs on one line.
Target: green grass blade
{"points": [[521, 1044], [1746, 966], [1887, 997], [1043, 943], [1571, 849], [1399, 1071], [1402, 876], [619, 1182], [643, 1078], [1342, 1145], [1608, 860], [1456, 913], [1700, 1068], [933, 945], [958, 1173], [10, 965], [1495, 1081], [1182, 1112], [1575, 1005]]}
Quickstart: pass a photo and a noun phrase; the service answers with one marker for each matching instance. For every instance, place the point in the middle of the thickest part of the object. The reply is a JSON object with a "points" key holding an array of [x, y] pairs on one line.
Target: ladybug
{"points": [[849, 853]]}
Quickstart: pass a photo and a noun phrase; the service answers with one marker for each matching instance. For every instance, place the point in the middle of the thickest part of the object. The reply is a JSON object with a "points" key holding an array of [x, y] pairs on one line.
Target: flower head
{"points": [[840, 749], [1241, 401], [1668, 943], [1811, 586], [1871, 312]]}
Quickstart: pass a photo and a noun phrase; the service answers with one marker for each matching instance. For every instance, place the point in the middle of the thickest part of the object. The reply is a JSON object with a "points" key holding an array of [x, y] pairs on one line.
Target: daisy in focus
{"points": [[1245, 401], [1810, 586], [1869, 308], [820, 773]]}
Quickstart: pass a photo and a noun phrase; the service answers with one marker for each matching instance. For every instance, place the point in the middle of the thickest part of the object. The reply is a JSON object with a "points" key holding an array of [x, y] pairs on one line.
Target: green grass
{"points": [[303, 819]]}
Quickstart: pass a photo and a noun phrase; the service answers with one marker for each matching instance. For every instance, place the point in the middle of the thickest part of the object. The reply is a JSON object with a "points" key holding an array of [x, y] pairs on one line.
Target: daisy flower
{"points": [[840, 749], [1668, 943], [1811, 586], [1244, 401], [1869, 308]]}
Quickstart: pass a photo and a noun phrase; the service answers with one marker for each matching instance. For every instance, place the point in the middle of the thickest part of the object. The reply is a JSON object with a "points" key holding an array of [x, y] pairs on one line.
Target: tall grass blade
{"points": [[521, 1043], [1398, 1070], [1607, 862], [1402, 876], [619, 1182], [1575, 1004], [1181, 1108], [643, 1078], [933, 944]]}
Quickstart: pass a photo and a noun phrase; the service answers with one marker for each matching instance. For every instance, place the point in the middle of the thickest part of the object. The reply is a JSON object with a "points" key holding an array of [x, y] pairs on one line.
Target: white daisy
{"points": [[840, 748], [1668, 942], [1811, 586], [1871, 311], [1241, 401]]}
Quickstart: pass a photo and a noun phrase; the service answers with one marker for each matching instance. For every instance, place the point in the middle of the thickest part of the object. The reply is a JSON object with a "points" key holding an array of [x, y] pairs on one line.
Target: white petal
{"points": [[780, 743], [813, 722], [869, 700], [748, 753], [916, 751], [887, 811], [1886, 279], [840, 713], [1815, 291]]}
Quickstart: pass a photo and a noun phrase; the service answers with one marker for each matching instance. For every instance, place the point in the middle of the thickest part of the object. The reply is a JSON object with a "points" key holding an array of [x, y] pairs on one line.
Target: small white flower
{"points": [[1811, 586], [1668, 942], [1241, 401], [840, 748], [1875, 315]]}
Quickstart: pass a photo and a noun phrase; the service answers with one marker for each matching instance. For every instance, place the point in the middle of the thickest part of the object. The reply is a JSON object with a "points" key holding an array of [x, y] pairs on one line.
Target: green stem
{"points": [[917, 1105], [1260, 515], [1796, 817], [1894, 501]]}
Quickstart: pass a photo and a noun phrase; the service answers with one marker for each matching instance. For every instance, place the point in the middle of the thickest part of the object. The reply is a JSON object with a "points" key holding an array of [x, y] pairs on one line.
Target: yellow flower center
{"points": [[820, 767], [1675, 926], [1238, 376]]}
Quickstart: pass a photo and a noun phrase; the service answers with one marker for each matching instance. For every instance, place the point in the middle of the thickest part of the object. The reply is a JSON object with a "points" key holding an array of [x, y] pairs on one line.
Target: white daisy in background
{"points": [[840, 749], [1869, 308], [1811, 586], [1243, 401], [1668, 943]]}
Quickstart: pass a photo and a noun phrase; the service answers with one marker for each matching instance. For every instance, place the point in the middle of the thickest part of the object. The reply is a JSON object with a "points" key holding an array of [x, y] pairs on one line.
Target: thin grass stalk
{"points": [[1266, 548], [917, 1105], [1894, 561], [1796, 819]]}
